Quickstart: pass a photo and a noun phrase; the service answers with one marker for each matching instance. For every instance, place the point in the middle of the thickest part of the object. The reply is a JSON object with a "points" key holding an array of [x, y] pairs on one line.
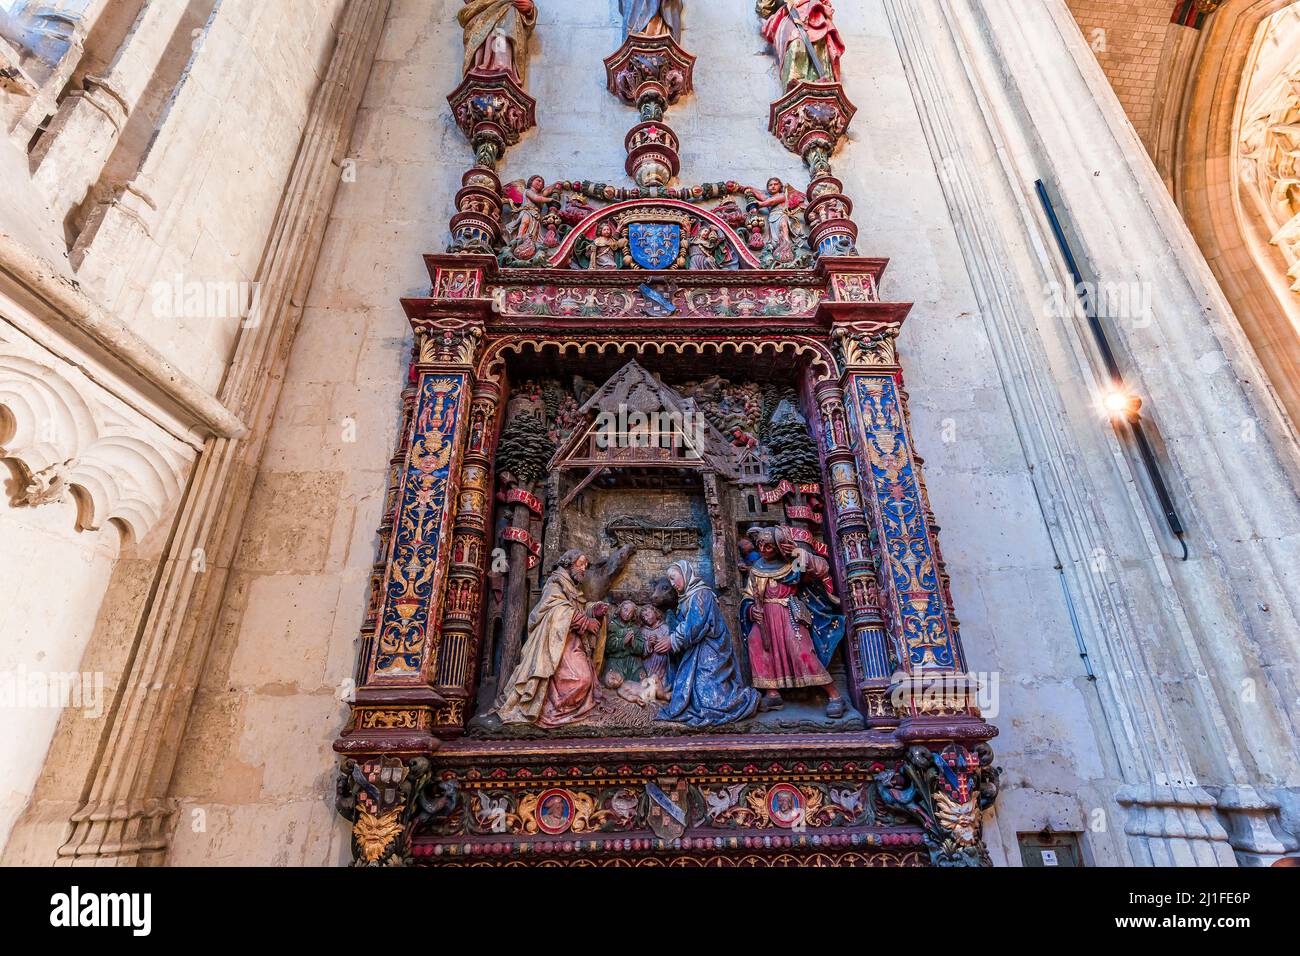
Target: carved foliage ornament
{"points": [[448, 342], [946, 793], [866, 345]]}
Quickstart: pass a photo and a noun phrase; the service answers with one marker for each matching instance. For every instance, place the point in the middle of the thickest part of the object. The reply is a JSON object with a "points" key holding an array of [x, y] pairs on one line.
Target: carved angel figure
{"points": [[785, 227], [496, 36], [606, 247], [526, 202], [702, 247], [651, 17]]}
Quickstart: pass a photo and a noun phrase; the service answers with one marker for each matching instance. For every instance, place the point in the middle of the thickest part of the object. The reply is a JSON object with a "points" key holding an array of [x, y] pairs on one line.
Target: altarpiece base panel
{"points": [[659, 582]]}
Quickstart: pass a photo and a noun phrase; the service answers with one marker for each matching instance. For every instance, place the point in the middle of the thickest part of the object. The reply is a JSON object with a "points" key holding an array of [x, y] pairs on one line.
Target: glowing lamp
{"points": [[1120, 404]]}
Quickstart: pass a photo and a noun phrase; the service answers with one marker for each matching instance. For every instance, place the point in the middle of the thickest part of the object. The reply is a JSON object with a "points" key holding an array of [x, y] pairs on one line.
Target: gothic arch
{"points": [[1199, 163]]}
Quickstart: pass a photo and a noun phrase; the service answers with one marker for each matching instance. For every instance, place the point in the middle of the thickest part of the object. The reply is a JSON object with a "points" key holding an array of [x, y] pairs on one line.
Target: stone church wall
{"points": [[214, 172]]}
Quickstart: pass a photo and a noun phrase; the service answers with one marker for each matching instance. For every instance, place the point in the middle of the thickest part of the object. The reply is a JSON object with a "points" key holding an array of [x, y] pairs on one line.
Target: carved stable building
{"points": [[560, 314]]}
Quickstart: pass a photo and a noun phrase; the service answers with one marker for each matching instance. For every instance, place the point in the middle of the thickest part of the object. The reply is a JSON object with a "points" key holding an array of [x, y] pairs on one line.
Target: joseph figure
{"points": [[496, 36], [555, 682], [652, 17]]}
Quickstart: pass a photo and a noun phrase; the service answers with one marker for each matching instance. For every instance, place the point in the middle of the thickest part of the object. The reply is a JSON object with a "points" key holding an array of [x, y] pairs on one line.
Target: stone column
{"points": [[126, 817], [71, 154]]}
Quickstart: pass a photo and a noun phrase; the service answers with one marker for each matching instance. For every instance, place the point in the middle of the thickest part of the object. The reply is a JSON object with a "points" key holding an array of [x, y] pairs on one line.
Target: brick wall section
{"points": [[1128, 37]]}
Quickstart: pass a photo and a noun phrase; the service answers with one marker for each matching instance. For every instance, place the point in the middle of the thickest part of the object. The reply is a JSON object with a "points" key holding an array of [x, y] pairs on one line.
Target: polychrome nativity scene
{"points": [[659, 583]]}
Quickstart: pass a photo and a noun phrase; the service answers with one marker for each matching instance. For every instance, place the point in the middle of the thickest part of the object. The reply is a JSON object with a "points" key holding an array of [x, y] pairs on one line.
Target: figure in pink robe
{"points": [[571, 692], [496, 35], [793, 617], [555, 681], [817, 18]]}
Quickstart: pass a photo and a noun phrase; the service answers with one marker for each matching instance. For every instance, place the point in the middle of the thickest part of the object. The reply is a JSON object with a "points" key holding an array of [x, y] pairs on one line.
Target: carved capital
{"points": [[66, 433], [493, 111], [866, 345], [810, 121], [650, 70], [447, 342]]}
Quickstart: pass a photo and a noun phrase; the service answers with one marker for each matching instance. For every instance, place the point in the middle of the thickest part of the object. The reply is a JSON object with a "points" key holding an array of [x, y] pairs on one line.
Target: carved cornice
{"points": [[53, 310], [813, 349]]}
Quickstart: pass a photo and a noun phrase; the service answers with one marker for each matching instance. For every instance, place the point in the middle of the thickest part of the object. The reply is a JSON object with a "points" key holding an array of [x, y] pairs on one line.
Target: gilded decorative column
{"points": [[874, 658], [395, 701], [931, 690], [462, 616]]}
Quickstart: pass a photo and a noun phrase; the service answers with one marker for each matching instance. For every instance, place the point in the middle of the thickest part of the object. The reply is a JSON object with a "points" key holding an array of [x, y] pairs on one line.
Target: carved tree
{"points": [[522, 454], [793, 451]]}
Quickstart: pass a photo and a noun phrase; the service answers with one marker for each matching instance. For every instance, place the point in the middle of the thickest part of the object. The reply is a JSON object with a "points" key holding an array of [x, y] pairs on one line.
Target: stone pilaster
{"points": [[72, 152], [976, 74]]}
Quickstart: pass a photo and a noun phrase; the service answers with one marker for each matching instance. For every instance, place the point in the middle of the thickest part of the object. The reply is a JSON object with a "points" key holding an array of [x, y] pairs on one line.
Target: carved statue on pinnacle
{"points": [[496, 36], [803, 33], [652, 17]]}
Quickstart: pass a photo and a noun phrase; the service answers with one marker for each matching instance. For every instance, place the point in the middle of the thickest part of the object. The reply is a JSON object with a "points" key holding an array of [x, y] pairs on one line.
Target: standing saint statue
{"points": [[555, 682], [496, 36], [794, 620], [703, 674], [792, 26], [651, 17]]}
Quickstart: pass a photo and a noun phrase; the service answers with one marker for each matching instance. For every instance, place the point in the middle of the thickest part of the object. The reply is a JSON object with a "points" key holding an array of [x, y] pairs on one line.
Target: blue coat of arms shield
{"points": [[654, 245]]}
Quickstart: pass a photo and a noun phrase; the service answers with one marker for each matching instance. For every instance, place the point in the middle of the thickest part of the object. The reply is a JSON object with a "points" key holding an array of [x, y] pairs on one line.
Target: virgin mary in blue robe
{"points": [[652, 17], [707, 687]]}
